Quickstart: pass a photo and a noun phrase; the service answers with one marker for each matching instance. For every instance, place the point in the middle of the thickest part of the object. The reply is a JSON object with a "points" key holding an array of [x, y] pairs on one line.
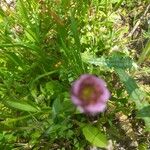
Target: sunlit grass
{"points": [[45, 46]]}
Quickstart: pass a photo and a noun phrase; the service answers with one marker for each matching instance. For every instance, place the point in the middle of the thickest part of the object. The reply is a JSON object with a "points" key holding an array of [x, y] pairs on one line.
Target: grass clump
{"points": [[46, 45]]}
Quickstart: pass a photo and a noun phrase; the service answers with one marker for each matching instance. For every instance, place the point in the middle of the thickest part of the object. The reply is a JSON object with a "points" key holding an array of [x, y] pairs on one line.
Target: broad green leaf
{"points": [[129, 83], [136, 95], [144, 112], [147, 123], [94, 136], [117, 60], [57, 106], [132, 88], [21, 106], [102, 62]]}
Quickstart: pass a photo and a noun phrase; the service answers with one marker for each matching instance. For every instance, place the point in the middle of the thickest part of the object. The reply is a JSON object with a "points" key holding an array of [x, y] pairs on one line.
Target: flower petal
{"points": [[76, 85], [105, 96], [99, 107], [95, 102], [75, 100]]}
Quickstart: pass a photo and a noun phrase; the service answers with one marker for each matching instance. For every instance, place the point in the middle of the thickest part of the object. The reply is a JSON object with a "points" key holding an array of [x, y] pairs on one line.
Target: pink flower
{"points": [[90, 94]]}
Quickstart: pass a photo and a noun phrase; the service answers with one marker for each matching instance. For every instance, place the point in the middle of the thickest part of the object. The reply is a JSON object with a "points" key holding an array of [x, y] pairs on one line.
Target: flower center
{"points": [[88, 94]]}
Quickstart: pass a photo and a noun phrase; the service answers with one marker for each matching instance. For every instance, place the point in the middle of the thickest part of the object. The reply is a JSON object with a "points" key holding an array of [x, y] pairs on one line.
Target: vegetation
{"points": [[45, 45]]}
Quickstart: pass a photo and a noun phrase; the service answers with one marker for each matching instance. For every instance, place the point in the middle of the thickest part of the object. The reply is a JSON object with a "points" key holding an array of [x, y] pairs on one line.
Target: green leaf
{"points": [[129, 83], [21, 106], [102, 62], [144, 112], [145, 54], [15, 59], [94, 136], [74, 29], [57, 106], [147, 123], [24, 12], [117, 60], [137, 96], [119, 63], [119, 2], [132, 88], [2, 12]]}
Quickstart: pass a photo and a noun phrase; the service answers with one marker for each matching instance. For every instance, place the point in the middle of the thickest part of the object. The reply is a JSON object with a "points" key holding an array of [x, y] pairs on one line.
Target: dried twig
{"points": [[139, 21]]}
